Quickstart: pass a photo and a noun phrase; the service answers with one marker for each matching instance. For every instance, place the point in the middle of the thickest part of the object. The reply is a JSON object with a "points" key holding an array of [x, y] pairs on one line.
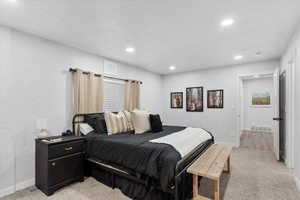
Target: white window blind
{"points": [[114, 94]]}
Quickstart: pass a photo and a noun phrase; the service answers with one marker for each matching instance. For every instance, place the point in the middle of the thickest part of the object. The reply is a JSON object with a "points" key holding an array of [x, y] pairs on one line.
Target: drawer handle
{"points": [[53, 164], [68, 148]]}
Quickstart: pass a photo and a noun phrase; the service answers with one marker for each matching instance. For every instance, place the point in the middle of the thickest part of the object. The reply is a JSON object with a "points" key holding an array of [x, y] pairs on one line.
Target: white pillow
{"points": [[140, 121], [85, 128]]}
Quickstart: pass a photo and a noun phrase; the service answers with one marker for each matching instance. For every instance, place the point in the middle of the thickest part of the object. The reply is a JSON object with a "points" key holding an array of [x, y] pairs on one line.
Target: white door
{"points": [[276, 113]]}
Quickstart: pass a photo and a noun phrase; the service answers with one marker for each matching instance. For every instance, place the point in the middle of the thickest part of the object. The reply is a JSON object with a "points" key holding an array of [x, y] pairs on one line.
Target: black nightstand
{"points": [[58, 163]]}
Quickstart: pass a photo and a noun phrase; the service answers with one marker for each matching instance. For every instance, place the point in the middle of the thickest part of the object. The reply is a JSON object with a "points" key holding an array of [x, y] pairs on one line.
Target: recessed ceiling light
{"points": [[256, 76], [227, 22], [238, 57], [172, 67], [130, 50]]}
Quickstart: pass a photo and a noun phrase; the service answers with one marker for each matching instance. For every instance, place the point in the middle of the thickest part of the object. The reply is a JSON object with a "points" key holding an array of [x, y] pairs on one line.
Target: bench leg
{"points": [[217, 190], [195, 186], [227, 166]]}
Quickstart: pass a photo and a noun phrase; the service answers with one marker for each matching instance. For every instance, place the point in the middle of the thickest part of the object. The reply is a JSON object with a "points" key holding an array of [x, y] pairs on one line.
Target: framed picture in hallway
{"points": [[194, 99], [176, 99], [215, 99], [261, 99]]}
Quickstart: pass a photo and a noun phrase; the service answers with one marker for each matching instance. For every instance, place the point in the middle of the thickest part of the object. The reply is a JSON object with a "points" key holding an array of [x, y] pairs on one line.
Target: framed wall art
{"points": [[261, 99], [176, 99], [194, 99], [215, 99]]}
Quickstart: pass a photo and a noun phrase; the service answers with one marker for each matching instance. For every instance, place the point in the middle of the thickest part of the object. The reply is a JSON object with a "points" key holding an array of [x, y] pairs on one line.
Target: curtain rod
{"points": [[110, 77]]}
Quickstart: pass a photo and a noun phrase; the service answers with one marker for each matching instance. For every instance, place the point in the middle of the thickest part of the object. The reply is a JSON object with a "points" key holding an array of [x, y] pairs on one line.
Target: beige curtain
{"points": [[87, 93], [132, 95]]}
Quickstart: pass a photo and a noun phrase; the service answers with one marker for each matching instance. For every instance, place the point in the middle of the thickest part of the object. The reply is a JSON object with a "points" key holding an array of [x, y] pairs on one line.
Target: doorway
{"points": [[257, 112], [283, 103]]}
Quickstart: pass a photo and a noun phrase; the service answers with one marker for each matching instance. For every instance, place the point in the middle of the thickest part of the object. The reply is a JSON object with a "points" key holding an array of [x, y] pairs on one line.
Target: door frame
{"points": [[290, 111], [290, 102], [240, 98]]}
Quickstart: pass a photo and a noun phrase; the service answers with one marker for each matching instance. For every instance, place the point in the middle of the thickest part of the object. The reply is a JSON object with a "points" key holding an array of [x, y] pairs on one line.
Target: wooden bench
{"points": [[210, 165]]}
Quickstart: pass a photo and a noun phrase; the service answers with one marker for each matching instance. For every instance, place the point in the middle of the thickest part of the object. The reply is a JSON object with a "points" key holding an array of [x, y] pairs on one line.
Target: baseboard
{"points": [[297, 181], [25, 184], [7, 191], [256, 131], [19, 186]]}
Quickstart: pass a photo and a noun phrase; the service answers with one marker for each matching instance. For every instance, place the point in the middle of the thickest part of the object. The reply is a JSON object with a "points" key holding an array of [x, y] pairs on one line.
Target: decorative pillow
{"points": [[129, 120], [115, 123], [140, 121], [85, 128], [155, 123], [97, 122]]}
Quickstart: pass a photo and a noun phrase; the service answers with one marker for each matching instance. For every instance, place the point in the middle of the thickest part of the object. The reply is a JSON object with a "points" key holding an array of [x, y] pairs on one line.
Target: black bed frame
{"points": [[181, 166]]}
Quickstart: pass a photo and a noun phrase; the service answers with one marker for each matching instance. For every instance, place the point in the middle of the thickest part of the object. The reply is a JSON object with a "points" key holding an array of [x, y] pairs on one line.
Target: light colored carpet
{"points": [[255, 175]]}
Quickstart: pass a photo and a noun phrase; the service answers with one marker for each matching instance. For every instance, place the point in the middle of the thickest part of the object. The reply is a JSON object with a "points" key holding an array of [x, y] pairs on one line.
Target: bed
{"points": [[144, 166]]}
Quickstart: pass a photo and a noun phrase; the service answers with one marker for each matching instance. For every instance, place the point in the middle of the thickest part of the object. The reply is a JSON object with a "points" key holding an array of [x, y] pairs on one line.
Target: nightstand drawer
{"points": [[58, 150], [65, 168]]}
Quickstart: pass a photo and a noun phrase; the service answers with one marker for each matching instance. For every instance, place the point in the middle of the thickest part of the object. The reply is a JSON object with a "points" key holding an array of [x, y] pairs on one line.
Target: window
{"points": [[114, 94]]}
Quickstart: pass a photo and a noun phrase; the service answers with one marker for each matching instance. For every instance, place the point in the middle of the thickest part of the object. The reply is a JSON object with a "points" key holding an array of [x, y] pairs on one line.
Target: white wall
{"points": [[35, 83], [258, 116], [292, 55], [221, 122], [6, 142]]}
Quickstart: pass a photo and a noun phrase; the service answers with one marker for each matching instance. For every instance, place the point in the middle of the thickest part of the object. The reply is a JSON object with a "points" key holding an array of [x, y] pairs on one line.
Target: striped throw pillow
{"points": [[115, 123], [129, 120]]}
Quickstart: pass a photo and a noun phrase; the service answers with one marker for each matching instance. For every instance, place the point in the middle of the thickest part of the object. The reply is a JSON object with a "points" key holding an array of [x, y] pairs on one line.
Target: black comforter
{"points": [[135, 152]]}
